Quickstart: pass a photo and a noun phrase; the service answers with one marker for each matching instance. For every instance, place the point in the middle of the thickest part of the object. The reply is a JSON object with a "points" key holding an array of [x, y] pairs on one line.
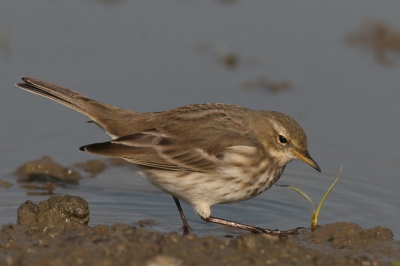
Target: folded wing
{"points": [[157, 150]]}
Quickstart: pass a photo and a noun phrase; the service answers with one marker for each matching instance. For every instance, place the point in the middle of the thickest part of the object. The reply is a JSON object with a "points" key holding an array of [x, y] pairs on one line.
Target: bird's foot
{"points": [[276, 232]]}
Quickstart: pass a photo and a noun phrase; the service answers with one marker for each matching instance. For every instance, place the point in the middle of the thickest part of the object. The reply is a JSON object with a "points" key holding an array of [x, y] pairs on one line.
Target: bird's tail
{"points": [[108, 117]]}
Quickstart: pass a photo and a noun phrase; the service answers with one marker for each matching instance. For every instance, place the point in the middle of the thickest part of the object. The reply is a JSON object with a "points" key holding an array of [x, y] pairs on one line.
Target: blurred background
{"points": [[333, 66]]}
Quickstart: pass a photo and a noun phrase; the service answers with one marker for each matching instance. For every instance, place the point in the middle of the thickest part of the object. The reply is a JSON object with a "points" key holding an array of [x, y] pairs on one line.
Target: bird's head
{"points": [[283, 138]]}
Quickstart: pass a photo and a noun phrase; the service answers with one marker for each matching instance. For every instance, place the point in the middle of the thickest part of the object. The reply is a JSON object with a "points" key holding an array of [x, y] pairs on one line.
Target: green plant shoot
{"points": [[315, 213]]}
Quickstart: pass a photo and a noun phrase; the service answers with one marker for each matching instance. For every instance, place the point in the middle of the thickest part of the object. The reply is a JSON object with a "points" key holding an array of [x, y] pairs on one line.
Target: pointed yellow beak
{"points": [[305, 157]]}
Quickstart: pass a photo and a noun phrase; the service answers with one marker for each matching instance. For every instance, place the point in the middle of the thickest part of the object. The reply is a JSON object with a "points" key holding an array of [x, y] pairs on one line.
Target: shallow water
{"points": [[156, 55]]}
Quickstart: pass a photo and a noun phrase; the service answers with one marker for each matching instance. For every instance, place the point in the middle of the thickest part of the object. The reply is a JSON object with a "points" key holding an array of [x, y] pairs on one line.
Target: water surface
{"points": [[157, 55]]}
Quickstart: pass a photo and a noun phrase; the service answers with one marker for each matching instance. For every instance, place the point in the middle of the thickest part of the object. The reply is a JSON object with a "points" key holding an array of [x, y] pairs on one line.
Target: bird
{"points": [[202, 154]]}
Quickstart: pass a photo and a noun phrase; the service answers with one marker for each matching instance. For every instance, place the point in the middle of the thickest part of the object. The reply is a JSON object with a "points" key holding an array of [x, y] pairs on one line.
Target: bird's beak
{"points": [[305, 157]]}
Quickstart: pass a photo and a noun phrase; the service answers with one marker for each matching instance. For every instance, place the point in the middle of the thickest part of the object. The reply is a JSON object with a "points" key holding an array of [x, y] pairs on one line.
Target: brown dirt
{"points": [[56, 232], [94, 167], [45, 169], [5, 184]]}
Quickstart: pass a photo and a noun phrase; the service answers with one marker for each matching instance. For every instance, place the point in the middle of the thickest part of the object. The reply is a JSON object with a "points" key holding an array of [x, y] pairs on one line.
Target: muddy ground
{"points": [[56, 232]]}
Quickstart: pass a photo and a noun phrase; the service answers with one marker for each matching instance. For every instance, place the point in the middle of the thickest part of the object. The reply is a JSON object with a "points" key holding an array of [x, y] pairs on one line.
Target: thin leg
{"points": [[186, 226], [250, 228]]}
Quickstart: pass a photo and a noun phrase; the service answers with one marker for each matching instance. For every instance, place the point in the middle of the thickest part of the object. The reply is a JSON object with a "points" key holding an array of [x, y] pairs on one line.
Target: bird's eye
{"points": [[282, 139]]}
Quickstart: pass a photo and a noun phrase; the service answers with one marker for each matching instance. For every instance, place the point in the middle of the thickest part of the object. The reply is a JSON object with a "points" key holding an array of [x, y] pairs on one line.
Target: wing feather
{"points": [[163, 150]]}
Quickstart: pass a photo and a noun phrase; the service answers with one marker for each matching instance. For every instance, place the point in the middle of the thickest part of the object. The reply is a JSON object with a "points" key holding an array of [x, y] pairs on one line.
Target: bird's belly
{"points": [[211, 189]]}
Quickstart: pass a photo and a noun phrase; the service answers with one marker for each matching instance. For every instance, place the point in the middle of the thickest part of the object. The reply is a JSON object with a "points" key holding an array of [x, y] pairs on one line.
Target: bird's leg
{"points": [[186, 226], [250, 228]]}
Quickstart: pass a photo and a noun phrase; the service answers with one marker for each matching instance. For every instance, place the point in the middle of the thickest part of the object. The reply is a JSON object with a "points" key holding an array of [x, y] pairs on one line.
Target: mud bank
{"points": [[56, 232]]}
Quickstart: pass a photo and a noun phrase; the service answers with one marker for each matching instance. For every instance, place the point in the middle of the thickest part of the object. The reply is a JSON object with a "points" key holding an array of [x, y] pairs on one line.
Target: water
{"points": [[157, 55]]}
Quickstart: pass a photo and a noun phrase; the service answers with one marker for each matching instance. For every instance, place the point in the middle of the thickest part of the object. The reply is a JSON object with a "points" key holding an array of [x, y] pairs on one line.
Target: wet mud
{"points": [[264, 84], [93, 167], [5, 184], [56, 232], [45, 169], [42, 176], [379, 37]]}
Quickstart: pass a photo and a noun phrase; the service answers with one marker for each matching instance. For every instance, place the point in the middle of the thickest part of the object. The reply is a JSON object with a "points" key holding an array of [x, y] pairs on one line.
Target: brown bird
{"points": [[203, 154]]}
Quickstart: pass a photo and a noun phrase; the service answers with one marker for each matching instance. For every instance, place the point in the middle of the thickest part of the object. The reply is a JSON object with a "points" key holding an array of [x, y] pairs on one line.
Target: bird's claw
{"points": [[277, 232]]}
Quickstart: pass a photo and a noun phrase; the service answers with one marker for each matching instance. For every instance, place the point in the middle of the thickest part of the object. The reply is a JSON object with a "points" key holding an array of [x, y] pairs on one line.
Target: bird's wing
{"points": [[165, 151]]}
